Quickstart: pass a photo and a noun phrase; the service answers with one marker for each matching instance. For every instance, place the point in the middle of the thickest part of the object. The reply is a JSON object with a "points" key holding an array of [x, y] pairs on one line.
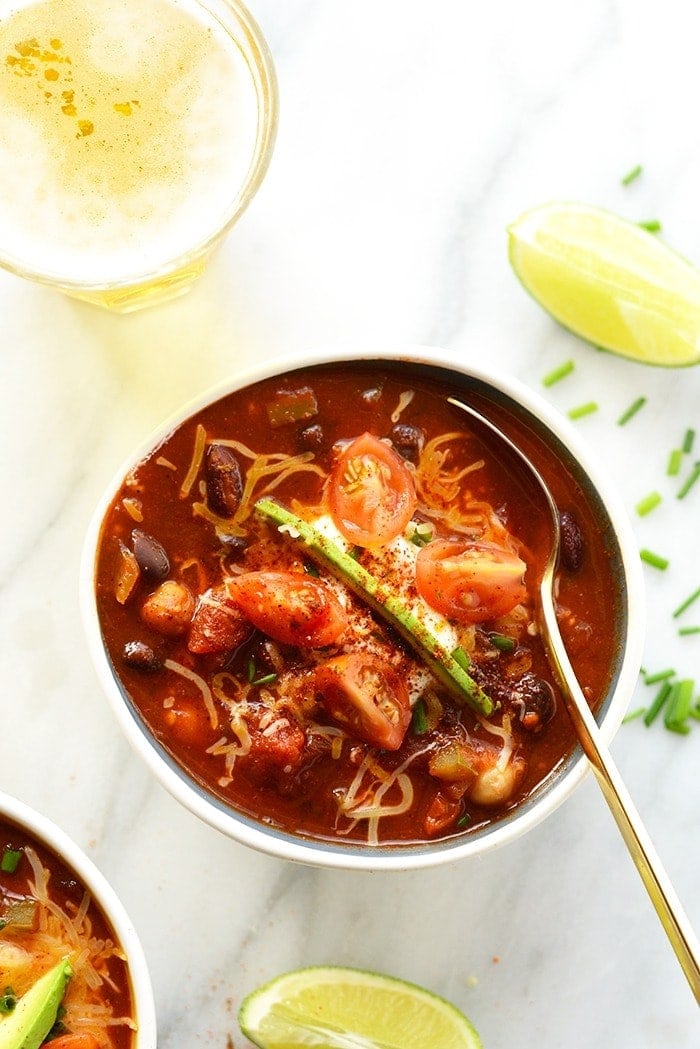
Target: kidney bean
{"points": [[140, 656], [571, 543], [150, 554], [223, 480]]}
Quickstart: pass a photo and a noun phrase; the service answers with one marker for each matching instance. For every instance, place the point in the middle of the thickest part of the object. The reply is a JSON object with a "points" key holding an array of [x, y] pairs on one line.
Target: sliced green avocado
{"points": [[383, 600], [32, 1018]]}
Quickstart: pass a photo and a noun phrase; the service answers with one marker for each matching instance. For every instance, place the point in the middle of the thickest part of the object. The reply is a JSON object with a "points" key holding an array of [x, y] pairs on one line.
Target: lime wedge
{"points": [[609, 281], [330, 1007]]}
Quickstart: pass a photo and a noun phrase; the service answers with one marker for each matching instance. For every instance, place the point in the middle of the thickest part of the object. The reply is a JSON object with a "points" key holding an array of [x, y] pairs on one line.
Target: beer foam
{"points": [[127, 128]]}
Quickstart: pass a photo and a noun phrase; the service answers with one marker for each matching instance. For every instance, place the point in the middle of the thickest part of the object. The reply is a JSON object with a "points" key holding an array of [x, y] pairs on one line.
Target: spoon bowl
{"points": [[656, 881]]}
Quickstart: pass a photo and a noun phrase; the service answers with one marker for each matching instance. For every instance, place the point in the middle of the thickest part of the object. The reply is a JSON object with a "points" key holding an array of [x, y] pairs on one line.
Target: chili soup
{"points": [[229, 604], [53, 930]]}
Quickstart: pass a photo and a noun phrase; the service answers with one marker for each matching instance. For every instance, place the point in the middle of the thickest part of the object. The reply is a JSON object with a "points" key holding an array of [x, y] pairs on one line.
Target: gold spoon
{"points": [[646, 859]]}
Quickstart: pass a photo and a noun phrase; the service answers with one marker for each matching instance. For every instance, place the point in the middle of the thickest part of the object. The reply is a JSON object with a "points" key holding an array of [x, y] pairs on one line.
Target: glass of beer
{"points": [[133, 134]]}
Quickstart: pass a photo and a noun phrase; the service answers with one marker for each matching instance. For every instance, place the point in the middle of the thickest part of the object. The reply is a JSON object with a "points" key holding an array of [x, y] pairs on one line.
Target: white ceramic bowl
{"points": [[42, 830], [626, 566]]}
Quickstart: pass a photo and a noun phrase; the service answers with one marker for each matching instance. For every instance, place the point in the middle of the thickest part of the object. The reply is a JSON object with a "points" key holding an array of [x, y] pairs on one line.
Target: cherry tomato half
{"points": [[289, 607], [366, 698], [371, 492], [470, 582]]}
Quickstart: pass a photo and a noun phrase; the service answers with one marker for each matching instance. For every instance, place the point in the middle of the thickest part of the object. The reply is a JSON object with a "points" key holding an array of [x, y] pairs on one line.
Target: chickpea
{"points": [[495, 785], [169, 609]]}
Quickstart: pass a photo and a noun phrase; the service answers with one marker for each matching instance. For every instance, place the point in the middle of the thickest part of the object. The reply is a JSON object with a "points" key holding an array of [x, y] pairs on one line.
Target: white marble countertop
{"points": [[410, 135]]}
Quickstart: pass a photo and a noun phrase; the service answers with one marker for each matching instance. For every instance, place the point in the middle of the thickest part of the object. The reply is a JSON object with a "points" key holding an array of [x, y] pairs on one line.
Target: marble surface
{"points": [[410, 135]]}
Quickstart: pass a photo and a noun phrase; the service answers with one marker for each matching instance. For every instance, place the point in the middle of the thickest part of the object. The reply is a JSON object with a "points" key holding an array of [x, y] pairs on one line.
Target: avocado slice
{"points": [[383, 601], [32, 1018]]}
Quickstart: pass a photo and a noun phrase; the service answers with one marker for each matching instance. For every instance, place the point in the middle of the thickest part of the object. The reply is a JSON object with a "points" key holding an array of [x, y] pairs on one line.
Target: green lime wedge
{"points": [[609, 281], [331, 1007]]}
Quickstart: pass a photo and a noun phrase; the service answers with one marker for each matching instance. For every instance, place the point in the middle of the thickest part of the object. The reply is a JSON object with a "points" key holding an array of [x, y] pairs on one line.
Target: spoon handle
{"points": [[656, 881]]}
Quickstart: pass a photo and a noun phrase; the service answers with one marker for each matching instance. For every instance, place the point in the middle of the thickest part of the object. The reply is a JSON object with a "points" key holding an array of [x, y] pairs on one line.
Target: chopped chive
{"points": [[651, 225], [632, 410], [502, 642], [634, 714], [655, 560], [266, 679], [421, 533], [558, 373], [680, 727], [419, 721], [648, 503], [685, 631], [355, 553], [689, 482], [10, 860], [464, 820], [632, 175], [688, 441], [679, 703], [461, 657], [674, 462], [659, 700], [311, 569], [661, 675], [687, 603], [695, 712], [583, 409], [251, 669]]}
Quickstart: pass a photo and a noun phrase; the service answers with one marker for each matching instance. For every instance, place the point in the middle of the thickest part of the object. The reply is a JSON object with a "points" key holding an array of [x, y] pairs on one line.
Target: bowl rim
{"points": [[44, 830], [353, 856]]}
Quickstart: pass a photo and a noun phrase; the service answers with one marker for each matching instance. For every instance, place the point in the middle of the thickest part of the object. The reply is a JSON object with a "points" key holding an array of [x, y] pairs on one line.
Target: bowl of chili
{"points": [[74, 972], [311, 599]]}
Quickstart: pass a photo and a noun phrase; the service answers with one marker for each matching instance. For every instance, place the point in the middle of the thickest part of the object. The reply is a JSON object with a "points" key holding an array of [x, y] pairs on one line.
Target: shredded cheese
{"points": [[60, 934], [367, 802], [197, 456], [201, 684], [404, 400]]}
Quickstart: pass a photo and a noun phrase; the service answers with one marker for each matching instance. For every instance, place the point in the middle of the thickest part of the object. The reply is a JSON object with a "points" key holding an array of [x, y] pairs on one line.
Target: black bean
{"points": [[150, 554], [236, 545], [534, 702], [571, 545], [223, 480], [530, 698], [140, 656], [408, 441], [311, 438]]}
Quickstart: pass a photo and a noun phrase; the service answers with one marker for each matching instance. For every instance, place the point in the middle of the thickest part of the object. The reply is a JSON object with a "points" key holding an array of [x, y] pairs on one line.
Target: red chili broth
{"points": [[306, 805]]}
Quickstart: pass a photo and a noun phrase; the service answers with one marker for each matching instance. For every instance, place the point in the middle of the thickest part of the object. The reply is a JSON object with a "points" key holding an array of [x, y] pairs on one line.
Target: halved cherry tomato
{"points": [[371, 493], [75, 1041], [470, 582], [289, 607], [366, 697]]}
